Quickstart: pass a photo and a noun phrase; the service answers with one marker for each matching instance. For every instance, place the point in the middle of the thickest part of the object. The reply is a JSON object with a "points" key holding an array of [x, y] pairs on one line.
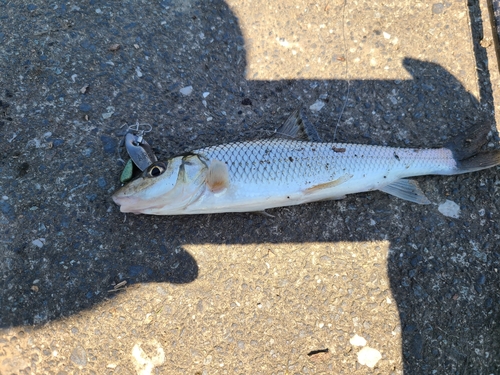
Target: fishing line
{"points": [[346, 72]]}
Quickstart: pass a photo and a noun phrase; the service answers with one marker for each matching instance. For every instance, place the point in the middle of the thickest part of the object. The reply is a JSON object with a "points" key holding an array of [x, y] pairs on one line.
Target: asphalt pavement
{"points": [[366, 285]]}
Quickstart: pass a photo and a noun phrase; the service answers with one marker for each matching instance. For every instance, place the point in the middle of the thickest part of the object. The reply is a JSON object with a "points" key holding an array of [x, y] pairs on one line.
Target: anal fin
{"points": [[407, 190]]}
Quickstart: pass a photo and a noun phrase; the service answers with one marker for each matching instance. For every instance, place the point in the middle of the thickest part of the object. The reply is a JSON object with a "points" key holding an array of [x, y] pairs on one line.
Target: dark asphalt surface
{"points": [[66, 94]]}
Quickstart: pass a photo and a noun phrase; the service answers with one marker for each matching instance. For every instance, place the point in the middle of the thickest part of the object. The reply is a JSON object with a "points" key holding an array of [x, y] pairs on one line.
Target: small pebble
{"points": [[437, 8], [138, 72], [57, 142], [101, 182], [357, 340], [79, 356], [84, 89], [186, 90], [316, 107], [39, 242], [369, 356], [110, 110], [450, 209], [205, 94]]}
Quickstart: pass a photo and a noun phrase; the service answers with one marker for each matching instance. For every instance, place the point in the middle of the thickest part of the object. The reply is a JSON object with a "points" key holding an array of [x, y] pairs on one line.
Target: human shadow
{"points": [[65, 244]]}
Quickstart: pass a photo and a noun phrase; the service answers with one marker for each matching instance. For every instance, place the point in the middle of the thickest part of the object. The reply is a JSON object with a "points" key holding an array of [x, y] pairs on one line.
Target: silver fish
{"points": [[292, 168]]}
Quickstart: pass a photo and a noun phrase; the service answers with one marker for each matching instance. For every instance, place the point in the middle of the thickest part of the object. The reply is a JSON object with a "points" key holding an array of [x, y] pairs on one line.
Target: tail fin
{"points": [[467, 150], [481, 160]]}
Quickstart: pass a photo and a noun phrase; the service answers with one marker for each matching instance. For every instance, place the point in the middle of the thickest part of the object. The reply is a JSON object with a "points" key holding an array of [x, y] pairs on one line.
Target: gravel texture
{"points": [[370, 284]]}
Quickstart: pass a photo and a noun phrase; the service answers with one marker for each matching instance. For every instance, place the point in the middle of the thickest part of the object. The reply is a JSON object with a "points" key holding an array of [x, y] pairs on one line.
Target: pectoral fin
{"points": [[217, 178], [407, 190], [328, 185]]}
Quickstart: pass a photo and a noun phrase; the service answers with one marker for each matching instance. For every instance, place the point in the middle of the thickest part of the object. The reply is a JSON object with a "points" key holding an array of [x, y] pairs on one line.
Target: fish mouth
{"points": [[117, 199], [130, 203], [126, 203]]}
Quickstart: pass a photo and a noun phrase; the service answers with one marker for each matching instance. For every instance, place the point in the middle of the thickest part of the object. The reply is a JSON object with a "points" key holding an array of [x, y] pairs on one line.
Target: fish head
{"points": [[164, 188]]}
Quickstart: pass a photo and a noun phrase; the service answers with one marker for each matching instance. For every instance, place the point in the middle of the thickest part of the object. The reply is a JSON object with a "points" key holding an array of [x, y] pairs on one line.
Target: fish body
{"points": [[279, 171]]}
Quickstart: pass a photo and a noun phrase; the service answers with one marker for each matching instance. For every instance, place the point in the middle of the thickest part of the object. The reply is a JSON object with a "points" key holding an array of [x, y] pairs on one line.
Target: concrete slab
{"points": [[363, 285]]}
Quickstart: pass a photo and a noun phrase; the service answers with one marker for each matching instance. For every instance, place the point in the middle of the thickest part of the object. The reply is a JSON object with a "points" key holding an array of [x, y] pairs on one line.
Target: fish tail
{"points": [[467, 150], [481, 160]]}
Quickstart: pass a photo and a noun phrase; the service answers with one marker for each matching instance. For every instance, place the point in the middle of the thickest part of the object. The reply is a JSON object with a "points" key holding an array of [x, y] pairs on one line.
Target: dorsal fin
{"points": [[297, 127]]}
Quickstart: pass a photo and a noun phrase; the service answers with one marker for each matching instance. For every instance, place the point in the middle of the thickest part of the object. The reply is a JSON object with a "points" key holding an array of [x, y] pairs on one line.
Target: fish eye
{"points": [[156, 169]]}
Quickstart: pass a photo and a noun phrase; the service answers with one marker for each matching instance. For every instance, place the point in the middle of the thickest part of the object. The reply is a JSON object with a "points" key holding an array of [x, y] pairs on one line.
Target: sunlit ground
{"points": [[262, 307], [361, 40]]}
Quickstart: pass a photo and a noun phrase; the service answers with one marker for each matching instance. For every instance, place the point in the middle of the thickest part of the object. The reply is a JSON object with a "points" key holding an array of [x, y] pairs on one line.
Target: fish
{"points": [[294, 167]]}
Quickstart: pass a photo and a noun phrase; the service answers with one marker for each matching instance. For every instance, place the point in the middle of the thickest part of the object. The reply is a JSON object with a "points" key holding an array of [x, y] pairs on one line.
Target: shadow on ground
{"points": [[66, 95]]}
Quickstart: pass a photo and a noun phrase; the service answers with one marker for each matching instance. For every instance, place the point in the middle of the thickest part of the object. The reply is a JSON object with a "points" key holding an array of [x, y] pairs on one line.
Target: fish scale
{"points": [[271, 161]]}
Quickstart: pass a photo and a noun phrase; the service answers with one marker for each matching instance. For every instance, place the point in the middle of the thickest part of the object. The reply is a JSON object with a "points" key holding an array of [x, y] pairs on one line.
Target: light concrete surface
{"points": [[253, 309], [242, 294], [302, 40]]}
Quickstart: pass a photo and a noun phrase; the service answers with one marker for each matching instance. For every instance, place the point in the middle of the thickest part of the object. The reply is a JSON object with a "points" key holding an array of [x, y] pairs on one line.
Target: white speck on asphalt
{"points": [[357, 340], [316, 107], [110, 110], [39, 242], [138, 72], [205, 94], [186, 90], [450, 209], [144, 364], [369, 356]]}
